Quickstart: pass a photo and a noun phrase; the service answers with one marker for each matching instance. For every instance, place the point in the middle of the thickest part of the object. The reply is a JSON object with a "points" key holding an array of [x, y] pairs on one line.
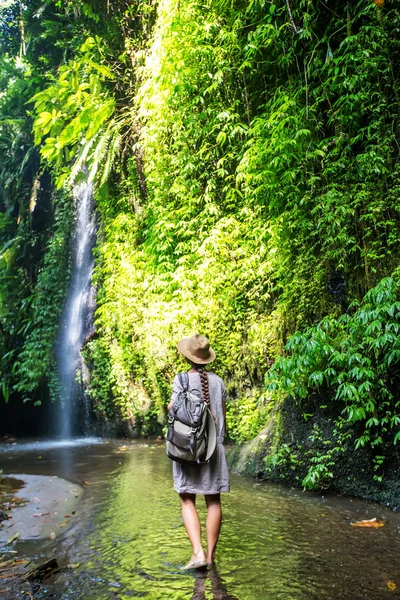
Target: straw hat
{"points": [[197, 349]]}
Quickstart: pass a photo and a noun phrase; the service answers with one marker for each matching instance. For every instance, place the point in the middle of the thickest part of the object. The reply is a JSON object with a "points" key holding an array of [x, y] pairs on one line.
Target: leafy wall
{"points": [[271, 200]]}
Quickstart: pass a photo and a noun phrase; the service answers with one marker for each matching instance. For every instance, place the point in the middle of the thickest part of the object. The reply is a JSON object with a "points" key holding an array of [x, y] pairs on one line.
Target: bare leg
{"points": [[192, 523], [213, 524]]}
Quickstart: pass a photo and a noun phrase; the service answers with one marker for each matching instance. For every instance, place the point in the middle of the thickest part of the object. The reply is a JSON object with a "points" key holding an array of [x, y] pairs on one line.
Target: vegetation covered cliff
{"points": [[245, 157]]}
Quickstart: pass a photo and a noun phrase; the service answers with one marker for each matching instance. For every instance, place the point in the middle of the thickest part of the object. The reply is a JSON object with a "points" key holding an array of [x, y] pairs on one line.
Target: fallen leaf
{"points": [[86, 482], [391, 585], [40, 514], [67, 516], [73, 565], [63, 524], [121, 449], [13, 538], [368, 523]]}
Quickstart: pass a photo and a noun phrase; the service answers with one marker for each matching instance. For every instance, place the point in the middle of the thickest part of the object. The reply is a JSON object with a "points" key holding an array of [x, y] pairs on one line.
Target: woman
{"points": [[209, 479]]}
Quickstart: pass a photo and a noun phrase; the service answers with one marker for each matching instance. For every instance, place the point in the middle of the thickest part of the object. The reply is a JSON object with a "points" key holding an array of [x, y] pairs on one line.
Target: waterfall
{"points": [[74, 411]]}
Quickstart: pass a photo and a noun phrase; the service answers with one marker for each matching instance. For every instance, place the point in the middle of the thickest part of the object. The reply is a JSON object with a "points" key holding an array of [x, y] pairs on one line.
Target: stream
{"points": [[128, 539]]}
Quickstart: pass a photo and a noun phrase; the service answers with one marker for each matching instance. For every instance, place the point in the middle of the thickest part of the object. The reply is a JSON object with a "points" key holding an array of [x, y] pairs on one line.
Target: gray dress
{"points": [[212, 477]]}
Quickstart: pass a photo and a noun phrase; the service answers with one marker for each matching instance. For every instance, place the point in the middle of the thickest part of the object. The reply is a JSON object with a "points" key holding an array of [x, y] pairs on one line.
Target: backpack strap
{"points": [[184, 380]]}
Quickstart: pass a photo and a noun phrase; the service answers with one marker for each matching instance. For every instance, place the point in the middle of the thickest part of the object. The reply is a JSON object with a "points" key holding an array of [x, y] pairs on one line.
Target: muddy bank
{"points": [[293, 445]]}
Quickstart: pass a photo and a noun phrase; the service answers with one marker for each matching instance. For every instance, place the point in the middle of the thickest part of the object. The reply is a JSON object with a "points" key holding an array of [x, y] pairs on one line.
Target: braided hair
{"points": [[204, 385]]}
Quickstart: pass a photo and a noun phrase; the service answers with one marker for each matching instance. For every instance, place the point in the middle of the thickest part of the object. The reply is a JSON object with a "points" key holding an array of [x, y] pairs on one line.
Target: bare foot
{"points": [[197, 561], [210, 558], [198, 557]]}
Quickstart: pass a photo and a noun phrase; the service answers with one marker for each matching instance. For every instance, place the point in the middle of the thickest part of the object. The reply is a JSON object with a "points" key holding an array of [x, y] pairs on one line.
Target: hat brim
{"points": [[182, 347]]}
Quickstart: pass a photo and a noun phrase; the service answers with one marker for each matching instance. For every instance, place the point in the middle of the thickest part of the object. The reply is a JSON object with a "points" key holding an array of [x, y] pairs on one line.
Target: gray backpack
{"points": [[191, 436]]}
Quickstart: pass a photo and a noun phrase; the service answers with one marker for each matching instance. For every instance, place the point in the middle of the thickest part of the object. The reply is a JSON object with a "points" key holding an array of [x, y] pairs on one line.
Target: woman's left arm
{"points": [[176, 388], [224, 405]]}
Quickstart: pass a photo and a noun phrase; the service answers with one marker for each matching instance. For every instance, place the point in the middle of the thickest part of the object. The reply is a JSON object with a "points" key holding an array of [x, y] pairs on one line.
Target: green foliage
{"points": [[247, 168], [34, 362], [270, 163], [97, 357], [355, 361], [38, 44], [74, 116], [83, 118], [320, 155], [246, 415], [31, 225], [312, 459], [322, 458], [142, 312], [282, 457]]}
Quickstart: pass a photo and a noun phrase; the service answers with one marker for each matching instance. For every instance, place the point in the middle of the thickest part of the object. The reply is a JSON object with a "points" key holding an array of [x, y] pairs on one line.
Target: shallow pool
{"points": [[129, 541]]}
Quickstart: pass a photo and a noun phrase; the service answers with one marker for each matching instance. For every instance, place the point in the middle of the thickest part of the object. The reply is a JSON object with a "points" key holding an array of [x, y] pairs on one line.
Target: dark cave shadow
{"points": [[218, 586]]}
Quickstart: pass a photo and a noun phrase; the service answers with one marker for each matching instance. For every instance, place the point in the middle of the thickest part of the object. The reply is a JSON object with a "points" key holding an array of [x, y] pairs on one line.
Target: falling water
{"points": [[74, 407]]}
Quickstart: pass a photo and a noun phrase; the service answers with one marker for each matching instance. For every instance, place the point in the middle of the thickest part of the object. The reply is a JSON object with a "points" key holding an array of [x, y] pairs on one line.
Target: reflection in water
{"points": [[50, 444], [277, 544], [218, 587]]}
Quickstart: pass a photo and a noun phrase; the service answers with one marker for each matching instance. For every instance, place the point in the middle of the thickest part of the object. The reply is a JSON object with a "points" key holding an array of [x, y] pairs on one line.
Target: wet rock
{"points": [[41, 506], [3, 516]]}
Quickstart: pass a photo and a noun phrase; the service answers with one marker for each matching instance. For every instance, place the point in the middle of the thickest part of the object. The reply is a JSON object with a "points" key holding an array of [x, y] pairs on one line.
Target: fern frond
{"points": [[82, 158], [115, 148], [99, 154]]}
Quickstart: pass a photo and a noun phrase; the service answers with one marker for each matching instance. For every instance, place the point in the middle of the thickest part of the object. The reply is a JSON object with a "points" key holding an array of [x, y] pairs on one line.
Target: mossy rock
{"points": [[249, 459]]}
